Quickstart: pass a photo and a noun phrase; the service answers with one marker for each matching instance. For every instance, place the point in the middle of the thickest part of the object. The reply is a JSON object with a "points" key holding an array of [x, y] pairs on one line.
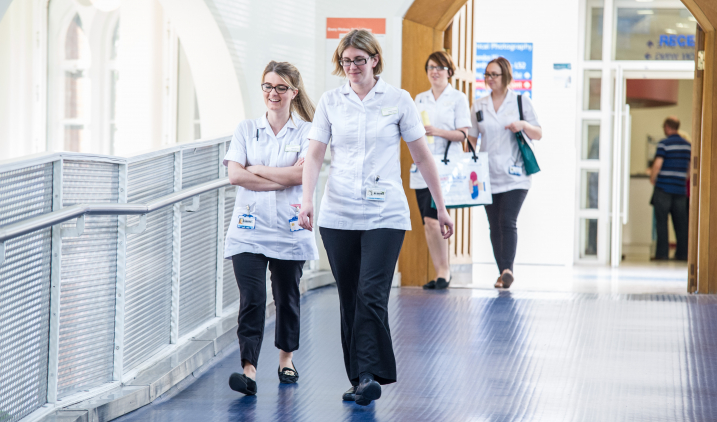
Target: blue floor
{"points": [[479, 355]]}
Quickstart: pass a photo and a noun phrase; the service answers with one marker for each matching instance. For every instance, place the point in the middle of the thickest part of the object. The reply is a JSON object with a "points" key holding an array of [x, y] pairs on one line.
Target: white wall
{"points": [[546, 222], [16, 71]]}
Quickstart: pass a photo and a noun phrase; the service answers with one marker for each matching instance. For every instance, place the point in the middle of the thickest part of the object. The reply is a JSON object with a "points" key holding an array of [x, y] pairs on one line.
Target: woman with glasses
{"points": [[496, 118], [265, 161], [448, 115], [364, 211]]}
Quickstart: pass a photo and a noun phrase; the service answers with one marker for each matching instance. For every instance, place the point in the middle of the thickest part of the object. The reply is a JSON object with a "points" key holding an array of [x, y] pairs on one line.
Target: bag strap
{"points": [[445, 159], [520, 106]]}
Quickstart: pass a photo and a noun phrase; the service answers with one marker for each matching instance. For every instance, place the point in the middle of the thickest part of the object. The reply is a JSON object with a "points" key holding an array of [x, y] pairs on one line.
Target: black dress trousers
{"points": [[363, 263], [250, 273]]}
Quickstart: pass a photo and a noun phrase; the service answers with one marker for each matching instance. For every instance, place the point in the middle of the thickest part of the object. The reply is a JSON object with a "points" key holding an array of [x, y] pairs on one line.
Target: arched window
{"points": [[76, 102]]}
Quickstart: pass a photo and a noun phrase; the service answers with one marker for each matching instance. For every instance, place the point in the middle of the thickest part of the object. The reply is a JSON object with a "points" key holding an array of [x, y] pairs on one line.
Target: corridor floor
{"points": [[482, 355]]}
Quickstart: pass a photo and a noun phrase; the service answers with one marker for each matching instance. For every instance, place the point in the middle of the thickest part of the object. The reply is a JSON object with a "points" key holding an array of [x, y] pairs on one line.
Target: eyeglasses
{"points": [[280, 89], [492, 75], [437, 68], [359, 61]]}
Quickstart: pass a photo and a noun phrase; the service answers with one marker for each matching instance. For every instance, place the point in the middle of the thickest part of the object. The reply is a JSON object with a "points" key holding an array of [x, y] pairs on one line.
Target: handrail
{"points": [[29, 225]]}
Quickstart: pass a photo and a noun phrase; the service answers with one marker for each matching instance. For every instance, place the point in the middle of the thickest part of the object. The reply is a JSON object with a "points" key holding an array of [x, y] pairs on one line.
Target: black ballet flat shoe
{"points": [[507, 279], [288, 375], [243, 384], [430, 285], [367, 391], [441, 283], [350, 394]]}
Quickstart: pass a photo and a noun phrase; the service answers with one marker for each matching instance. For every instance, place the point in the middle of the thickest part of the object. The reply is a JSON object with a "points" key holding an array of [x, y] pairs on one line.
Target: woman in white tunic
{"points": [[496, 118], [265, 161], [364, 212], [449, 119]]}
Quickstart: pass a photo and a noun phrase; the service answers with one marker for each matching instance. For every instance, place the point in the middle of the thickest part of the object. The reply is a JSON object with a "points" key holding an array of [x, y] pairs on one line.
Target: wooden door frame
{"points": [[423, 31]]}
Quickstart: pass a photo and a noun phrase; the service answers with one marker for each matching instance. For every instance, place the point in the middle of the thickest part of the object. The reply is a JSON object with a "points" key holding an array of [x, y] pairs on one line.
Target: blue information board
{"points": [[520, 56]]}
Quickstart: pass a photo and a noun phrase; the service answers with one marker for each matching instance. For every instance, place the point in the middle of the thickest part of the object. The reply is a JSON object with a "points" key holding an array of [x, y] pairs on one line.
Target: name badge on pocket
{"points": [[292, 148], [294, 224], [375, 194], [515, 170], [414, 168], [247, 221], [387, 111]]}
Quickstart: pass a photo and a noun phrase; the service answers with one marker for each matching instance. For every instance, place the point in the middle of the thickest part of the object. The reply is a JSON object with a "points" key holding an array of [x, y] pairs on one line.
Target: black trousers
{"points": [[250, 273], [503, 218], [363, 263], [666, 204]]}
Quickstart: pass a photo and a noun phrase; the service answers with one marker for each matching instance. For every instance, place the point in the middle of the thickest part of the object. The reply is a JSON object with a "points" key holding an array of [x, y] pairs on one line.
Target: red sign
{"points": [[338, 26]]}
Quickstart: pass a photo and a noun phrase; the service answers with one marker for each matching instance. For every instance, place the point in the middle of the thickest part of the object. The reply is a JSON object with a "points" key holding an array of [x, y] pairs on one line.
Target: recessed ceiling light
{"points": [[645, 12], [670, 31], [681, 25], [692, 18]]}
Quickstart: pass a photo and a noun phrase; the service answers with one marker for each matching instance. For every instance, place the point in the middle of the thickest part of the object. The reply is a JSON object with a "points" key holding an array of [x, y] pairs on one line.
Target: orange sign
{"points": [[338, 26]]}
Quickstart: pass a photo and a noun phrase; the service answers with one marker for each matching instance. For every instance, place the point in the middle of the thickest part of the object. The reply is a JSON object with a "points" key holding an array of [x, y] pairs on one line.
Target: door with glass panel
{"points": [[623, 38]]}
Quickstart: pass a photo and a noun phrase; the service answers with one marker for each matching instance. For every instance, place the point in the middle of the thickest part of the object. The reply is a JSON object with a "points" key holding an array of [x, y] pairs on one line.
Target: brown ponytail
{"points": [[301, 104]]}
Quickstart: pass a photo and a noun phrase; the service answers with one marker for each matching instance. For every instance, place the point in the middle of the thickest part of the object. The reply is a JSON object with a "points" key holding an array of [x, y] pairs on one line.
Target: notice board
{"points": [[520, 56]]}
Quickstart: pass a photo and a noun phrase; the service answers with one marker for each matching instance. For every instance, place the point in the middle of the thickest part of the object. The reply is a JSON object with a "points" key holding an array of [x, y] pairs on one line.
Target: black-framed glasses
{"points": [[280, 89], [359, 61], [437, 68], [492, 75]]}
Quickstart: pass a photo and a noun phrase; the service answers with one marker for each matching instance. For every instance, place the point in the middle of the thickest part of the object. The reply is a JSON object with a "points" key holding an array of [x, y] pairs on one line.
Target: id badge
{"points": [[294, 224], [375, 194], [293, 148], [515, 170], [414, 168], [247, 221]]}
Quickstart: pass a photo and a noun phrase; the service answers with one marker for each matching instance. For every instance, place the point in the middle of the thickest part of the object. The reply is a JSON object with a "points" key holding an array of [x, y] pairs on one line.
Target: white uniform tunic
{"points": [[364, 154], [449, 112], [500, 143], [273, 210]]}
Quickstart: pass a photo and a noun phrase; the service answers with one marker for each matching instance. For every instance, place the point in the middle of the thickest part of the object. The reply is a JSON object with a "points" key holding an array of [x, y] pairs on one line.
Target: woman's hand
{"points": [[306, 216], [256, 170], [445, 222], [299, 162], [432, 131], [516, 127]]}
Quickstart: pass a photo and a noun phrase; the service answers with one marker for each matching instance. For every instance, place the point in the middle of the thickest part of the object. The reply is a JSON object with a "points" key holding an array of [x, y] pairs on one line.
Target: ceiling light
{"points": [[645, 12], [670, 31], [692, 18], [681, 25]]}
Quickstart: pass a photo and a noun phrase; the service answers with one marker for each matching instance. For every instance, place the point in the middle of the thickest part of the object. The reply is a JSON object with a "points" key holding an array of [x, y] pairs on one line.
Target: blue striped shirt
{"points": [[673, 174]]}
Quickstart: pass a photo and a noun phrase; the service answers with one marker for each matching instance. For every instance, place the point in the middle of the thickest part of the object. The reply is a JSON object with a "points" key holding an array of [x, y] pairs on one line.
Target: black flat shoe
{"points": [[507, 279], [288, 375], [367, 391], [350, 394], [441, 283], [430, 285], [242, 383]]}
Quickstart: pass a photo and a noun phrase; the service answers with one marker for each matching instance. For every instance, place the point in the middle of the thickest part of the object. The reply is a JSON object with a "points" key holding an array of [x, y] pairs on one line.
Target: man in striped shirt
{"points": [[669, 176]]}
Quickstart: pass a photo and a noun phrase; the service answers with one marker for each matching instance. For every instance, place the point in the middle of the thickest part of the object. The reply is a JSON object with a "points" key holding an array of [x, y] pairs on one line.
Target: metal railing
{"points": [[104, 263]]}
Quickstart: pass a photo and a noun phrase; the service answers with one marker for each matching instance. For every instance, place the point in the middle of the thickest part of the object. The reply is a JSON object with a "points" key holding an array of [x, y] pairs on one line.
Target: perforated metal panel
{"points": [[198, 267], [148, 277], [88, 280], [24, 294], [230, 293]]}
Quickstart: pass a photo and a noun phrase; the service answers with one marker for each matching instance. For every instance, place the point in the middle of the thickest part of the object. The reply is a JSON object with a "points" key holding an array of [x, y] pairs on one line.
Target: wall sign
{"points": [[336, 28], [520, 56]]}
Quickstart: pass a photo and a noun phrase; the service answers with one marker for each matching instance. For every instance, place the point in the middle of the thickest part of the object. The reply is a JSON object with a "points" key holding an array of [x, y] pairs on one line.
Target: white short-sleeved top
{"points": [[449, 112], [254, 143], [365, 138], [499, 142]]}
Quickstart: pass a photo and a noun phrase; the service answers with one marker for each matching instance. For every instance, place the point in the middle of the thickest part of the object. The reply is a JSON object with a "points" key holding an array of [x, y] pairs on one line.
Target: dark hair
{"points": [[672, 122], [442, 59], [505, 69]]}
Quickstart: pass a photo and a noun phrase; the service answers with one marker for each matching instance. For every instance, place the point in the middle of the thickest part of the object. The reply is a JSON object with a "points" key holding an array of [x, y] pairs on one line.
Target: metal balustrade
{"points": [[104, 262]]}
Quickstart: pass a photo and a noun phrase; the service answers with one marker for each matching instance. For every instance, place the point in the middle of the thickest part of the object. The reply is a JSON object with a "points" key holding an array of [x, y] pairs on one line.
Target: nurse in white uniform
{"points": [[364, 211], [265, 161], [449, 119], [496, 118]]}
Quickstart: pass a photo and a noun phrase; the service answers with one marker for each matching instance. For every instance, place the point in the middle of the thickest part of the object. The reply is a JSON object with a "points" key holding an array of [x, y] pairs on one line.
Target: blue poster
{"points": [[520, 56]]}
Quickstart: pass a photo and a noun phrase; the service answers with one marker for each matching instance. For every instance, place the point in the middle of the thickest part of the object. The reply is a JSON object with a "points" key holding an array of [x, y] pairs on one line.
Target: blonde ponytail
{"points": [[301, 104]]}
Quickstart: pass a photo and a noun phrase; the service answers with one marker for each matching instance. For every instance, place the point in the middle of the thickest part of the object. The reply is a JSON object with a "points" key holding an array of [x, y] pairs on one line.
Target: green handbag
{"points": [[529, 160]]}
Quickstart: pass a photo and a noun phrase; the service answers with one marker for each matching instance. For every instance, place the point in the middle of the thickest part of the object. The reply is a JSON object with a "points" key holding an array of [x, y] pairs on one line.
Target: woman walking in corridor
{"points": [[446, 116], [265, 161], [497, 117], [364, 211]]}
